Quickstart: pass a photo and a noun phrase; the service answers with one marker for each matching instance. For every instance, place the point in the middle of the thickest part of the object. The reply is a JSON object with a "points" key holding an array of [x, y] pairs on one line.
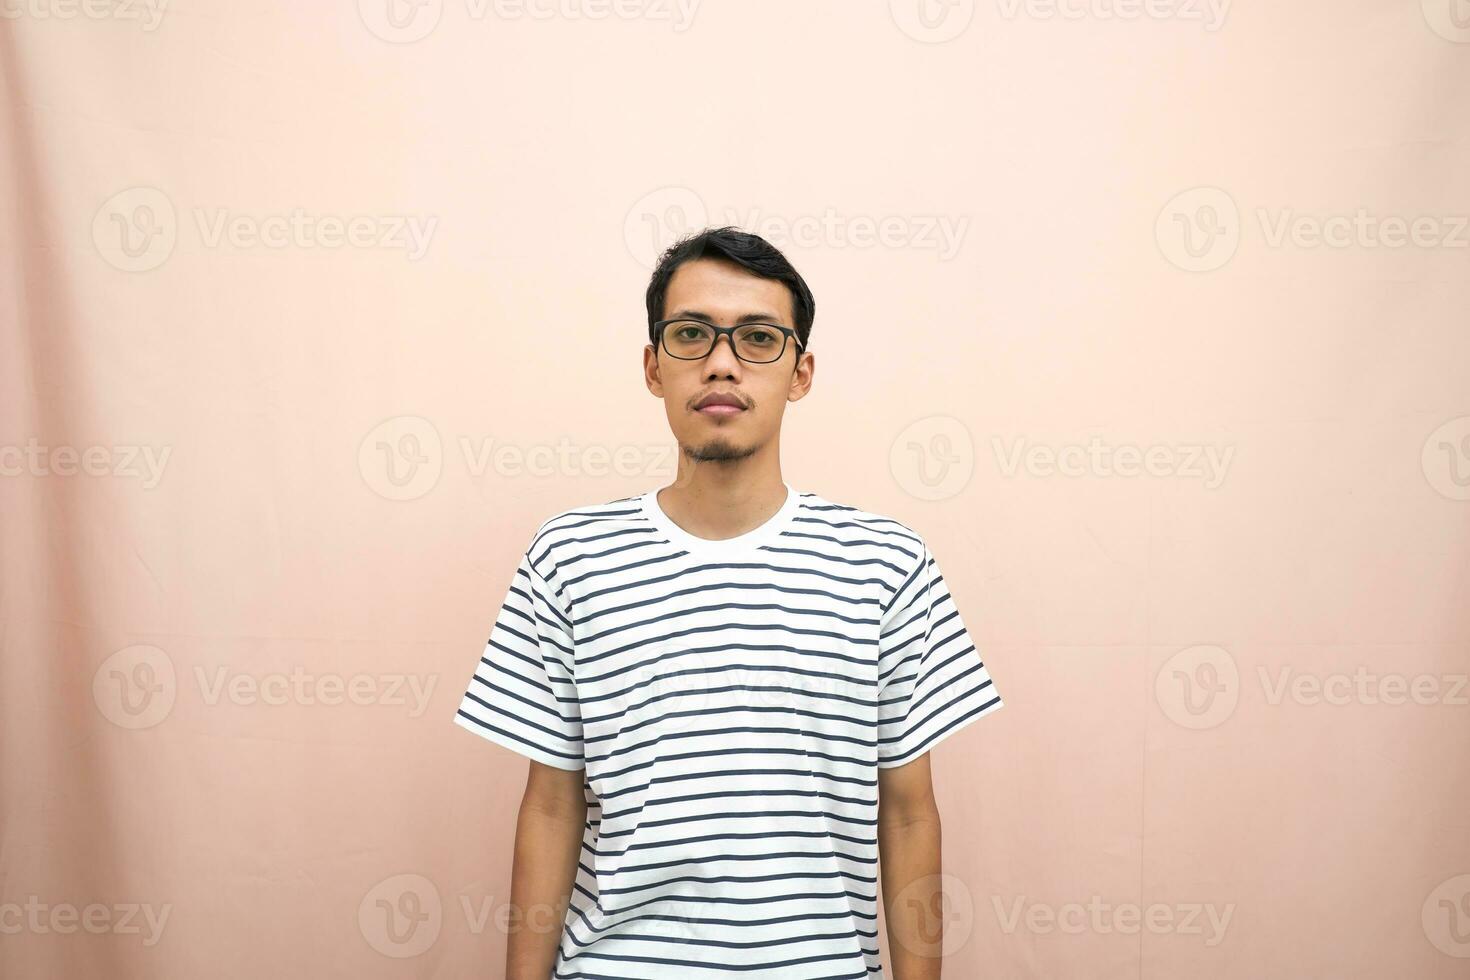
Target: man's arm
{"points": [[548, 842], [909, 865]]}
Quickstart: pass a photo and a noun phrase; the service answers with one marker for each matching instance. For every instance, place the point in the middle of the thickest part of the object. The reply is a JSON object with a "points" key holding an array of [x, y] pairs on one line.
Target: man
{"points": [[727, 687]]}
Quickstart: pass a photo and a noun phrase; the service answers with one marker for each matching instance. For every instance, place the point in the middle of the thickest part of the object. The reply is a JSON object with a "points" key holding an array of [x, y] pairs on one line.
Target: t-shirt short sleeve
{"points": [[522, 694], [931, 680]]}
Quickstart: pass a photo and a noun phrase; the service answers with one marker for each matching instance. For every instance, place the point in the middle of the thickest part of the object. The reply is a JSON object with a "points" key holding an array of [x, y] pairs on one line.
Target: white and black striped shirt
{"points": [[731, 701]]}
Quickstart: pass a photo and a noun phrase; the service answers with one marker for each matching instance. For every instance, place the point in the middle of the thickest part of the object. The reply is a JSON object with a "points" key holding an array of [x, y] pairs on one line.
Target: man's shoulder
{"points": [[858, 521], [579, 521]]}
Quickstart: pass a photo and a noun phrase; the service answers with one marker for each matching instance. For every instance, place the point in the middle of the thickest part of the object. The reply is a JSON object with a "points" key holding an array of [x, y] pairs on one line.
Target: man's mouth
{"points": [[718, 409], [720, 404]]}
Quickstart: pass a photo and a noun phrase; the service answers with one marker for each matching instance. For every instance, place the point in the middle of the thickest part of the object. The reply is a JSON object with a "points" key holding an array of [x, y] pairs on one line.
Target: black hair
{"points": [[752, 253]]}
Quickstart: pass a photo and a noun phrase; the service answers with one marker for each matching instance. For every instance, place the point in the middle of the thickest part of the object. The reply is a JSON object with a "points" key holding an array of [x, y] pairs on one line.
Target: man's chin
{"points": [[717, 451]]}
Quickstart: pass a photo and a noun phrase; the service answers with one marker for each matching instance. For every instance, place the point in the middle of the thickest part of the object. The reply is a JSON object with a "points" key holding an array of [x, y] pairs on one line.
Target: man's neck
{"points": [[710, 504]]}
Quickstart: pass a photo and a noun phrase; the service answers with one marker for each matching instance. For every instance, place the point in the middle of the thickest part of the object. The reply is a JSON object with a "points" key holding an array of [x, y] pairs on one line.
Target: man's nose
{"points": [[722, 360]]}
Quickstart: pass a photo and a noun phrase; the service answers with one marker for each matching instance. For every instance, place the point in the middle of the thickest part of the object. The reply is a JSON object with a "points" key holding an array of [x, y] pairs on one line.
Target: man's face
{"points": [[720, 292]]}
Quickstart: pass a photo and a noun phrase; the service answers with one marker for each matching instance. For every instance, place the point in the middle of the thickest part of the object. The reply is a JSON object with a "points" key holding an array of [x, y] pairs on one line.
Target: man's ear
{"points": [[801, 378], [652, 374]]}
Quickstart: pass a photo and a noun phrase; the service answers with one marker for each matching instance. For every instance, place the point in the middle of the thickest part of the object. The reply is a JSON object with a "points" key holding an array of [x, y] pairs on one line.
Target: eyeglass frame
{"points": [[787, 334]]}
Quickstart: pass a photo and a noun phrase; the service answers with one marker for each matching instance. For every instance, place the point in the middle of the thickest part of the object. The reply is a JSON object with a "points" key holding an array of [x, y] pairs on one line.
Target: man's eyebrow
{"points": [[745, 318]]}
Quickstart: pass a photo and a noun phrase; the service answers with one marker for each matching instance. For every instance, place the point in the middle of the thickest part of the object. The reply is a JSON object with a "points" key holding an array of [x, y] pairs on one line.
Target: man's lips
{"points": [[720, 403]]}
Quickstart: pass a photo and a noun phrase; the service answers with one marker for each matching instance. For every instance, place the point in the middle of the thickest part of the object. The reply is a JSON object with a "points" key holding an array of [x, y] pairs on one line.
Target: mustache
{"points": [[745, 400]]}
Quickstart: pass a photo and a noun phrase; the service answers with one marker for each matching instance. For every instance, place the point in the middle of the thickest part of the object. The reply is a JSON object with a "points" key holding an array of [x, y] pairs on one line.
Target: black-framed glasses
{"points": [[692, 340]]}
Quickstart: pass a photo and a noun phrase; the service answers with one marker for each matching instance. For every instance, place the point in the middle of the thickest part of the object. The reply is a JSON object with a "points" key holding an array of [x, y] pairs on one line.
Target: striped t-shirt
{"points": [[731, 701]]}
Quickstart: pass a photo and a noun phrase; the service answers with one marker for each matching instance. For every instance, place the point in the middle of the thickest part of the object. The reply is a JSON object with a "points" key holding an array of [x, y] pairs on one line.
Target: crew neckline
{"points": [[751, 539]]}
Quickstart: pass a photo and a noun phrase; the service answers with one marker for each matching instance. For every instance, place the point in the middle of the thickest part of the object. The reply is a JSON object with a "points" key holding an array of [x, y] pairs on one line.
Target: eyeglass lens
{"points": [[692, 340]]}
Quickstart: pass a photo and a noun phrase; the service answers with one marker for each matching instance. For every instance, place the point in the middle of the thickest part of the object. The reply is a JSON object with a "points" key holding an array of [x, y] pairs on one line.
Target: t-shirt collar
{"points": [[741, 543]]}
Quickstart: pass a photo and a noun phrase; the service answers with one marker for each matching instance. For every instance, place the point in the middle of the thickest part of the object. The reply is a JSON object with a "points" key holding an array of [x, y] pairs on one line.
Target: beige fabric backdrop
{"points": [[1151, 317]]}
